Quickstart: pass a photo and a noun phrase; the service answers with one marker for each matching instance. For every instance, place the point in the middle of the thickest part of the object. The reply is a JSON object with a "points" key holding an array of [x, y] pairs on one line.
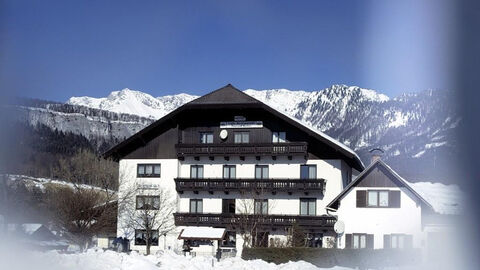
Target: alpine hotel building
{"points": [[225, 158]]}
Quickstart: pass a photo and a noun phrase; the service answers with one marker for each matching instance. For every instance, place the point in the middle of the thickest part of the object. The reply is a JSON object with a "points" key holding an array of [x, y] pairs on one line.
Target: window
{"points": [[359, 241], [261, 171], [228, 206], [141, 237], [206, 137], [372, 199], [148, 170], [196, 171], [279, 137], [196, 206], [383, 198], [229, 171], [377, 198], [308, 206], [397, 241], [261, 207], [148, 202], [242, 137], [308, 172]]}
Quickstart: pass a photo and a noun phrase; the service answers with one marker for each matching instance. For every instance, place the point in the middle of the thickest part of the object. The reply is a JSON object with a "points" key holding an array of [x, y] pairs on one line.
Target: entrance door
{"points": [[228, 206]]}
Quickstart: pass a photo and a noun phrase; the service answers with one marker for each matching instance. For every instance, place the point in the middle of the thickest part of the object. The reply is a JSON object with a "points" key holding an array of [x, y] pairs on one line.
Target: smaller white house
{"points": [[379, 209]]}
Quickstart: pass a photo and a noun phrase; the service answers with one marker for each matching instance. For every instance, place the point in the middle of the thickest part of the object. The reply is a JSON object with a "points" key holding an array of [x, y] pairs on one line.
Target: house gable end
{"points": [[378, 174]]}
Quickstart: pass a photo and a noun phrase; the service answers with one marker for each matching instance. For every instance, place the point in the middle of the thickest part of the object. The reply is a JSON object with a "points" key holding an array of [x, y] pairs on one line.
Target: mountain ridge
{"points": [[417, 131]]}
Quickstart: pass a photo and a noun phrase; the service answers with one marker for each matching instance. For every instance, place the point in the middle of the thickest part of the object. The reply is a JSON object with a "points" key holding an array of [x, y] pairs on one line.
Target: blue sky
{"points": [[57, 49]]}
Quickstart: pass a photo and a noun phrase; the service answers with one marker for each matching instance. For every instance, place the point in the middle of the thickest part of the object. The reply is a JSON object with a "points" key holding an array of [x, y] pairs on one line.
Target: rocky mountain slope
{"points": [[415, 130]]}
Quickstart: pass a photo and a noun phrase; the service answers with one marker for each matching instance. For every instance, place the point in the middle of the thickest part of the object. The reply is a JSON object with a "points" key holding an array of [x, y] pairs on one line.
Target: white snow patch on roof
{"points": [[445, 199], [202, 233], [30, 228]]}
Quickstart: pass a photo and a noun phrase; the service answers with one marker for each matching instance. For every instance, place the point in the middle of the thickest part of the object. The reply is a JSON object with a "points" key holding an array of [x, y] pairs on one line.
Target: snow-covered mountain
{"points": [[416, 130], [134, 102]]}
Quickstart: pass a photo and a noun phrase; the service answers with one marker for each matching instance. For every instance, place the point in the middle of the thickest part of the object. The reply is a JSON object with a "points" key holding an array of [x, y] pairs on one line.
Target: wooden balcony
{"points": [[267, 222], [242, 149], [250, 185]]}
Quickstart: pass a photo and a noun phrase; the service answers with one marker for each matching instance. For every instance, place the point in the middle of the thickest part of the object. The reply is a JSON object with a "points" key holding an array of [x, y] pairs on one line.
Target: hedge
{"points": [[322, 257]]}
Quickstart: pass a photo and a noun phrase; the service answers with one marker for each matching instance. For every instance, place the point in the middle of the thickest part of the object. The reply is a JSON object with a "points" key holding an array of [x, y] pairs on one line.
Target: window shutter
{"points": [[370, 241], [394, 199], [361, 198], [348, 240], [386, 241], [408, 241]]}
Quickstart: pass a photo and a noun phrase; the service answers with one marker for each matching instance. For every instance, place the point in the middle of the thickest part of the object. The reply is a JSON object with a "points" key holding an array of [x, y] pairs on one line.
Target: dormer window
{"points": [[279, 137], [206, 137]]}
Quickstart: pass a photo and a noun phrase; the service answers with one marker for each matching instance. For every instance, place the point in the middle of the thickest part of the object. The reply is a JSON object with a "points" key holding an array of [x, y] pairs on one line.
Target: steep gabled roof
{"points": [[225, 95], [333, 205], [230, 96]]}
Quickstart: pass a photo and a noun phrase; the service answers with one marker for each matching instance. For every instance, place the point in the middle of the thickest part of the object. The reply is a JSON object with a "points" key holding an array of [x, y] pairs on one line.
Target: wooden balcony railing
{"points": [[237, 221], [250, 185], [264, 149]]}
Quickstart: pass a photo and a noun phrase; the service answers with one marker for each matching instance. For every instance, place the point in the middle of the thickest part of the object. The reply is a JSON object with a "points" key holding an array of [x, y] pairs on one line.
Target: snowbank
{"points": [[109, 260]]}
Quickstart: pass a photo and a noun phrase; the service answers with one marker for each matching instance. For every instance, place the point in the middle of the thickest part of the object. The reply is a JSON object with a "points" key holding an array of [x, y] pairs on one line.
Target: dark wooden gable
{"points": [[378, 176], [225, 95]]}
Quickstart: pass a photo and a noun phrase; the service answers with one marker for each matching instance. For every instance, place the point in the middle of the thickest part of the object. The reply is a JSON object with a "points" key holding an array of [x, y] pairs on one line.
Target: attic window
{"points": [[279, 137], [242, 137], [206, 137], [377, 198]]}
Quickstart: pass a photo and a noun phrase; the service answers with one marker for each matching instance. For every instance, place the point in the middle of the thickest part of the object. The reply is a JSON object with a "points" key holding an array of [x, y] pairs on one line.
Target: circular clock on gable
{"points": [[223, 134]]}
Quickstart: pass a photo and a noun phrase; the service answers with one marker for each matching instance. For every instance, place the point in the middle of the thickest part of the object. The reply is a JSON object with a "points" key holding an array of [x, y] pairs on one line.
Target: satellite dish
{"points": [[223, 134], [339, 227]]}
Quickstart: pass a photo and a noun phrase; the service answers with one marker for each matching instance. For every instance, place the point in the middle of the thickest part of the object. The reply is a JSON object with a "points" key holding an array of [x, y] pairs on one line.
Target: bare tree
{"points": [[146, 208], [253, 210], [80, 212], [87, 168], [297, 236], [88, 206]]}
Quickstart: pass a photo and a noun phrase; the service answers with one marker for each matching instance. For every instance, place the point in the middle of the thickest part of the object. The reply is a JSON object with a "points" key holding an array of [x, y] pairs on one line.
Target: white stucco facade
{"points": [[407, 219], [335, 173]]}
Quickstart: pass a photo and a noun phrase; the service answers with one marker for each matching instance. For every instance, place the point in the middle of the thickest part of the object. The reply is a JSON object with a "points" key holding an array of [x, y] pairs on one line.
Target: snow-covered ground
{"points": [[41, 182], [110, 260]]}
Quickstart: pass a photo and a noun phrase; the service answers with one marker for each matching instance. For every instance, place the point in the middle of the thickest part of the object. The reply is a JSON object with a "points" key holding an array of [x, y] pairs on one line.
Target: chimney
{"points": [[376, 153]]}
